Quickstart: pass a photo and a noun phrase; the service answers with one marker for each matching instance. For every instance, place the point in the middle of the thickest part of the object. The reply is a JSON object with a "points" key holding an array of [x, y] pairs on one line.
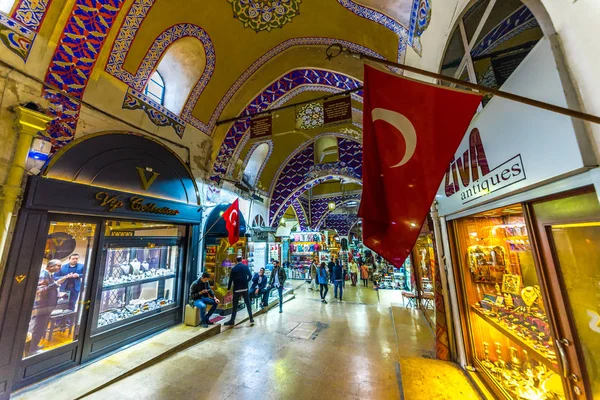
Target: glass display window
{"points": [[508, 328], [225, 260], [141, 265], [63, 279], [425, 265]]}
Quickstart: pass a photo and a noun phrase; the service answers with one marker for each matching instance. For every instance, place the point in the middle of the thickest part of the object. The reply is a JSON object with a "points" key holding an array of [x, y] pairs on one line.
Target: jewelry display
{"points": [[110, 282], [113, 316]]}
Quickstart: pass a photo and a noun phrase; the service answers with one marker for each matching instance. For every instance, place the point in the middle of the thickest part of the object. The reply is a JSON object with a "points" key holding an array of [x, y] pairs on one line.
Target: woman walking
{"points": [[323, 277], [364, 274]]}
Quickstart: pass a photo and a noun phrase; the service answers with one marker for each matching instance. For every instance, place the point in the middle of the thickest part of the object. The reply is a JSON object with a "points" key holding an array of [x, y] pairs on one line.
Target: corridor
{"points": [[342, 350]]}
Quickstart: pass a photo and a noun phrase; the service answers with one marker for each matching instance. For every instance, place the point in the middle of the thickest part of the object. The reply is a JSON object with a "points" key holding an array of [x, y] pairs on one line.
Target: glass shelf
{"points": [[137, 282]]}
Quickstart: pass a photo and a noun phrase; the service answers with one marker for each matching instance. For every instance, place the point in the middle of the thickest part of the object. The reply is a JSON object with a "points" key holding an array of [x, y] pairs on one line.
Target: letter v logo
{"points": [[146, 183]]}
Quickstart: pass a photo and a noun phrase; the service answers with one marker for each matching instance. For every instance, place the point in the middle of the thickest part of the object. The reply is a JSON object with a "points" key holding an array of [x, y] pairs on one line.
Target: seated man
{"points": [[202, 295], [259, 286]]}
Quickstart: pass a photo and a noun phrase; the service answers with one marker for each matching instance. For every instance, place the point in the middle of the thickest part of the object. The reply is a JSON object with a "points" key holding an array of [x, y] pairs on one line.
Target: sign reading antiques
{"points": [[137, 204], [511, 147], [337, 110], [261, 127]]}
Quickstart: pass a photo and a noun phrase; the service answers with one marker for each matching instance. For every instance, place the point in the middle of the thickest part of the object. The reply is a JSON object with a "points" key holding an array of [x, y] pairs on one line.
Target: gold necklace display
{"points": [[529, 296]]}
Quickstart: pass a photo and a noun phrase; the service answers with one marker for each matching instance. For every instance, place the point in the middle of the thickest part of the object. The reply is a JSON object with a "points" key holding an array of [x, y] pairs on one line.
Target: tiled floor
{"points": [[348, 350], [350, 354]]}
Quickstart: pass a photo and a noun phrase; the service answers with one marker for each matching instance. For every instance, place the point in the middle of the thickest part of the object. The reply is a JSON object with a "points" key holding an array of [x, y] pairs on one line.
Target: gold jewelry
{"points": [[529, 296]]}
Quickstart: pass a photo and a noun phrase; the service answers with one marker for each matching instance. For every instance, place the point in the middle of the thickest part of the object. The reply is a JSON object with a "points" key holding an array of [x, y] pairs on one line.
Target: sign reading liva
{"points": [[470, 176]]}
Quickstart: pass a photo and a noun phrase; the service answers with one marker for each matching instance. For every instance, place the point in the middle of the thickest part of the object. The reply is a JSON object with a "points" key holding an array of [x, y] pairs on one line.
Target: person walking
{"points": [[313, 275], [201, 296], [364, 275], [353, 267], [239, 277], [323, 277], [338, 280], [277, 281]]}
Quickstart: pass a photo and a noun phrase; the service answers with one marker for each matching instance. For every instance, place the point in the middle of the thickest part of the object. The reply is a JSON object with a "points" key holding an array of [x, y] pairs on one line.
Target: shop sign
{"points": [[337, 110], [261, 127], [134, 203], [511, 146]]}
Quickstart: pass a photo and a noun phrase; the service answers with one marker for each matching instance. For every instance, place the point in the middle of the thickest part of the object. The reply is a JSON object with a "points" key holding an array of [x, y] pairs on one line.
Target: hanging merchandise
{"points": [[303, 251]]}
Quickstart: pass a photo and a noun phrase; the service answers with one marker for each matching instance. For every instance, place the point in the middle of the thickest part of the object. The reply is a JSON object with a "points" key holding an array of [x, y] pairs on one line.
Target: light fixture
{"points": [[331, 206]]}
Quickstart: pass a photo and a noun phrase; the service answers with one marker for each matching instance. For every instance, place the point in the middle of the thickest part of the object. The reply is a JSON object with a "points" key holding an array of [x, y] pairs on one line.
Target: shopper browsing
{"points": [[323, 277], [353, 267], [364, 274], [277, 281], [47, 294], [69, 276], [330, 266], [201, 296], [313, 274], [259, 287], [338, 280], [239, 277]]}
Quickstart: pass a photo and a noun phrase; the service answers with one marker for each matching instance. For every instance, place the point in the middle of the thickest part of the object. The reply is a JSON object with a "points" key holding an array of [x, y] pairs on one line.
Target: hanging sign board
{"points": [[261, 127], [509, 146], [337, 110]]}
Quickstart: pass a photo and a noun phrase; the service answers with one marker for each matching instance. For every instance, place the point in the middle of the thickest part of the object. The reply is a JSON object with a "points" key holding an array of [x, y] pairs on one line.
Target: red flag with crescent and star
{"points": [[232, 222], [411, 131]]}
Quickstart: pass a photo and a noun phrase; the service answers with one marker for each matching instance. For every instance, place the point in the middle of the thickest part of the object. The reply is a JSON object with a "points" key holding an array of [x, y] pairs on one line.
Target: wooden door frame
{"points": [[555, 292]]}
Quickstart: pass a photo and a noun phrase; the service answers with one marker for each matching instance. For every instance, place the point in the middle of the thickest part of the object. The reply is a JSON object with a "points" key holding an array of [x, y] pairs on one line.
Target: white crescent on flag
{"points": [[232, 219], [404, 126]]}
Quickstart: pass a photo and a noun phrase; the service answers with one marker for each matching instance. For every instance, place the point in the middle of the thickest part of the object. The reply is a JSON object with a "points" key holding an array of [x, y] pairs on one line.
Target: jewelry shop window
{"points": [[510, 336], [141, 265]]}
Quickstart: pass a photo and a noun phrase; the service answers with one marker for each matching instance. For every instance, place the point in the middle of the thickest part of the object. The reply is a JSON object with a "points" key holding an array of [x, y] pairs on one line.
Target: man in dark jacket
{"points": [[259, 286], [330, 266], [47, 293], [338, 280], [239, 278], [277, 281], [201, 295]]}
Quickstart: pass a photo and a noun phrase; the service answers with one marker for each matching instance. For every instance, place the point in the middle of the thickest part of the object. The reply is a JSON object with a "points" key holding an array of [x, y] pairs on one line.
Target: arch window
{"points": [[258, 221], [490, 41], [6, 6], [255, 164], [155, 89]]}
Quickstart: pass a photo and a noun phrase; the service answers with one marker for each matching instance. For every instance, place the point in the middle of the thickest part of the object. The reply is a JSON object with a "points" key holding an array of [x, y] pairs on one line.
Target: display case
{"points": [[508, 331], [225, 260], [210, 261]]}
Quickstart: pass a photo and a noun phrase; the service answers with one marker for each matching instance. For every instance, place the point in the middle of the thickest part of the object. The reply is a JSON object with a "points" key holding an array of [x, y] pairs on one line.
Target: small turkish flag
{"points": [[232, 222], [410, 133]]}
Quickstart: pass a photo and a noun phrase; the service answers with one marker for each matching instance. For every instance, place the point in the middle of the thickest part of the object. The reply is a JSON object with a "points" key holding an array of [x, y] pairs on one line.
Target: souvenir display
{"points": [[304, 248], [508, 331]]}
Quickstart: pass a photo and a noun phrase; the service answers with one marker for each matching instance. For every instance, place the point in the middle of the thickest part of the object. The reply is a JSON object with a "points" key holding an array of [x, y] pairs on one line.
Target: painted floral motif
{"points": [[310, 116], [16, 37], [159, 115], [31, 13], [66, 112], [261, 15]]}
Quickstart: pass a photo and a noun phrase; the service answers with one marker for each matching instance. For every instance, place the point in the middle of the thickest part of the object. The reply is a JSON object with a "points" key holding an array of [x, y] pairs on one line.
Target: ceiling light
{"points": [[331, 206]]}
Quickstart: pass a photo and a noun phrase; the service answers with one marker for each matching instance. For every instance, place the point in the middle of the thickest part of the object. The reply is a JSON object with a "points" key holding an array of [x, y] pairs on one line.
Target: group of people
{"points": [[334, 272], [56, 280], [202, 296]]}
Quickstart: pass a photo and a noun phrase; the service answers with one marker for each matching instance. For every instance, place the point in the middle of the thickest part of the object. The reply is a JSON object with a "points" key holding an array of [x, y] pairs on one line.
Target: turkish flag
{"points": [[410, 132], [232, 222]]}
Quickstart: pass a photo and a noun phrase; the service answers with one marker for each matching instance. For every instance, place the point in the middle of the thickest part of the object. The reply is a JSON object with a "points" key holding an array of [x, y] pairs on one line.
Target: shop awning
{"points": [[219, 223]]}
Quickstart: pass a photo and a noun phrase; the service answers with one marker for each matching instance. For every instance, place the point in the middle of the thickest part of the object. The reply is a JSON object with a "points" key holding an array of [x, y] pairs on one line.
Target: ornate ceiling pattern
{"points": [[261, 15], [319, 207], [301, 214], [31, 13], [269, 96], [342, 223]]}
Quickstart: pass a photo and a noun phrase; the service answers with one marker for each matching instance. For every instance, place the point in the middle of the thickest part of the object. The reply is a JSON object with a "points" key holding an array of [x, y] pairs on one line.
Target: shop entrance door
{"points": [[59, 307], [569, 232]]}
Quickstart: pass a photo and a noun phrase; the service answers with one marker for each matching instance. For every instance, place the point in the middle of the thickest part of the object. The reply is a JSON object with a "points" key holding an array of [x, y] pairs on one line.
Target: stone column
{"points": [[28, 124]]}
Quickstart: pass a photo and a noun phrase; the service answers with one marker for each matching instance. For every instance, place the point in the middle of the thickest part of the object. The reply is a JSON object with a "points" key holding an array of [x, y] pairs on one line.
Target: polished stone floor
{"points": [[334, 351]]}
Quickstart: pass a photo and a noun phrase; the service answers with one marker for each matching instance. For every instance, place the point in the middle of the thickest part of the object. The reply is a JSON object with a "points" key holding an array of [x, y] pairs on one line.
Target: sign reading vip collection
{"points": [[510, 146], [261, 127], [337, 110], [137, 204]]}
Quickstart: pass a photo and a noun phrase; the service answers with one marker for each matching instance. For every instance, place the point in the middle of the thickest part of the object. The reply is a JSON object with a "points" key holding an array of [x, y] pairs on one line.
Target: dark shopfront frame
{"points": [[50, 198]]}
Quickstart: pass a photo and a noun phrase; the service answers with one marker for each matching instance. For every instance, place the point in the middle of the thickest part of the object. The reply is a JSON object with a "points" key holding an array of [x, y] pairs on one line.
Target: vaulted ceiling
{"points": [[247, 55]]}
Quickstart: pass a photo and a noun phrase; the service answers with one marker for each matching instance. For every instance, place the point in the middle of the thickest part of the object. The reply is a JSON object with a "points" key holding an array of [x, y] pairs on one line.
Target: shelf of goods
{"points": [[300, 266]]}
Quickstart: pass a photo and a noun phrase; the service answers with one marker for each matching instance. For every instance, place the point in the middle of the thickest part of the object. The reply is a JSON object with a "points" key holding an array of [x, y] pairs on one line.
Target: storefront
{"points": [[522, 225], [219, 256], [425, 271], [104, 247], [305, 247]]}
